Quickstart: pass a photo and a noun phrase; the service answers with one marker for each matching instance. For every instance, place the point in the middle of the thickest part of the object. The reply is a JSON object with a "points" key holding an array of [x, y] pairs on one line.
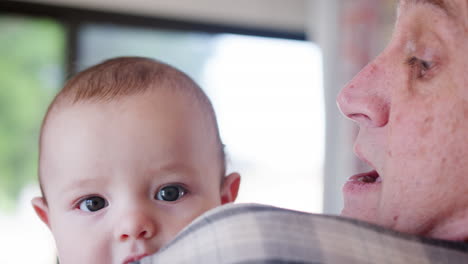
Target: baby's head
{"points": [[130, 154]]}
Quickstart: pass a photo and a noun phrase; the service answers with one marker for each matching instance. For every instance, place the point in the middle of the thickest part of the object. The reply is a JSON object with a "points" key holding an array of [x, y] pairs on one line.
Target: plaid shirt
{"points": [[249, 233]]}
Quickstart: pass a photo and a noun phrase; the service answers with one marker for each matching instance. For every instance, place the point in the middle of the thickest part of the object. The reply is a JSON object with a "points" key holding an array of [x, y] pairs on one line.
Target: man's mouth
{"points": [[363, 183], [134, 258], [366, 178]]}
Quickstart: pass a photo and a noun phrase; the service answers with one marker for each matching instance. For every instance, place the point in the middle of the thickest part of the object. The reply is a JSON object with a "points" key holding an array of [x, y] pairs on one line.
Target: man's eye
{"points": [[170, 193], [419, 67], [93, 204]]}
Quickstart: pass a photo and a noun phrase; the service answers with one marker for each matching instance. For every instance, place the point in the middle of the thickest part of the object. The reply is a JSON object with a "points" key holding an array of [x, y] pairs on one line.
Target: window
{"points": [[268, 97], [267, 94]]}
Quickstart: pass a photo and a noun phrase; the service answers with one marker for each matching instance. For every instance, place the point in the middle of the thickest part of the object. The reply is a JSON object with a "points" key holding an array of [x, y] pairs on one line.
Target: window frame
{"points": [[73, 18]]}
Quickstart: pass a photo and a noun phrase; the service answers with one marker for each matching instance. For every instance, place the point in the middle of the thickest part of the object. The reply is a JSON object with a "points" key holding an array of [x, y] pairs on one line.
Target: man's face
{"points": [[411, 104], [122, 178]]}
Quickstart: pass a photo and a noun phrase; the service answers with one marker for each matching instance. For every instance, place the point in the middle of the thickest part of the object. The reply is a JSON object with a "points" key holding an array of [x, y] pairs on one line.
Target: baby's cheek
{"points": [[181, 216]]}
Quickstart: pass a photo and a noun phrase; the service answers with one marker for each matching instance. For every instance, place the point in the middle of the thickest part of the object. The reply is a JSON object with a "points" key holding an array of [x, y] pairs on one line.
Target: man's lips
{"points": [[362, 183], [366, 177], [134, 258]]}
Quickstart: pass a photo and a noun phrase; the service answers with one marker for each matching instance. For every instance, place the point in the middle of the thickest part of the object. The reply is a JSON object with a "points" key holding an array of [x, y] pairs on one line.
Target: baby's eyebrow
{"points": [[81, 183]]}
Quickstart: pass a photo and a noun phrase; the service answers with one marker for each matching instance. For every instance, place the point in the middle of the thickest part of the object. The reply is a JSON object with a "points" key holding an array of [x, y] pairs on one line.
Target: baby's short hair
{"points": [[120, 77]]}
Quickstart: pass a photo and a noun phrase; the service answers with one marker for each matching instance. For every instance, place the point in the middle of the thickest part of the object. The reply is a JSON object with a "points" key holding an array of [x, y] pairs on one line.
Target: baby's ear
{"points": [[230, 188], [42, 210]]}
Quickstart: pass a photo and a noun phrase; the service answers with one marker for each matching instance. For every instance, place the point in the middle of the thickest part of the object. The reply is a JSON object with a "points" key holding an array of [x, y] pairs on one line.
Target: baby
{"points": [[129, 154]]}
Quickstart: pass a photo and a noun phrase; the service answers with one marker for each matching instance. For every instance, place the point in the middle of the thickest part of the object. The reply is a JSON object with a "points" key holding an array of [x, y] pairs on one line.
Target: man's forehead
{"points": [[445, 5]]}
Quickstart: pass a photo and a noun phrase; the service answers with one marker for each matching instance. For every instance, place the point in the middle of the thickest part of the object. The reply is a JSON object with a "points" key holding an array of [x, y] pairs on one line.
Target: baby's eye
{"points": [[93, 204], [420, 67], [170, 193]]}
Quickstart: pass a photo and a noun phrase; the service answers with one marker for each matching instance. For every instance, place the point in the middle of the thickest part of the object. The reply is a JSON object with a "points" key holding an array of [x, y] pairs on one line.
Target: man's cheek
{"points": [[408, 134]]}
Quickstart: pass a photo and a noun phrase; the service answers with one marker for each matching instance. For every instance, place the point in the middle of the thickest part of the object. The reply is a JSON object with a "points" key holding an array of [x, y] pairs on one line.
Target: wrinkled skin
{"points": [[411, 105]]}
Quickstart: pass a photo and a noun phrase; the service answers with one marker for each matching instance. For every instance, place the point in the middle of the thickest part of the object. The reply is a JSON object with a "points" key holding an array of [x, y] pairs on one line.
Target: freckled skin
{"points": [[427, 127], [414, 125]]}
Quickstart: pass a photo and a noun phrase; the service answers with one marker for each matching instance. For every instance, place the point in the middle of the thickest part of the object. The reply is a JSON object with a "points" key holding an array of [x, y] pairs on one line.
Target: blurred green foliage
{"points": [[32, 56], [31, 71]]}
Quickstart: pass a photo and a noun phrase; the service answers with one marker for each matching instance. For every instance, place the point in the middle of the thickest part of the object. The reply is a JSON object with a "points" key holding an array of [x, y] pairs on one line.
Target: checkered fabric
{"points": [[250, 233]]}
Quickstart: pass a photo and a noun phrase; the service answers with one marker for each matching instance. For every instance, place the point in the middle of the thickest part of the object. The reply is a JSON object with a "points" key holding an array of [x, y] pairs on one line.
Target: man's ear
{"points": [[42, 210], [230, 188]]}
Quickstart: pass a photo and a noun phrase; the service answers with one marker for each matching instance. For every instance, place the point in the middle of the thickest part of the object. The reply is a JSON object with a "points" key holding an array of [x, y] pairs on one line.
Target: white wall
{"points": [[289, 15], [350, 34], [324, 26]]}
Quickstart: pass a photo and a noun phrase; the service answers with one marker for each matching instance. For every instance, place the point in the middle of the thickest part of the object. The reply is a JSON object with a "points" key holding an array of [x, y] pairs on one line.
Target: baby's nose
{"points": [[136, 226]]}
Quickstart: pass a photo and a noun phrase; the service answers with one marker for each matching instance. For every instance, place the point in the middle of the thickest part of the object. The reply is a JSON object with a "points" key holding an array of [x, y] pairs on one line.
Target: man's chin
{"points": [[362, 207], [360, 214]]}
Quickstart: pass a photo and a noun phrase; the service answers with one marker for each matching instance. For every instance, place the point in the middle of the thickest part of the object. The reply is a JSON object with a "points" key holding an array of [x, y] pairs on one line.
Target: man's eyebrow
{"points": [[441, 4]]}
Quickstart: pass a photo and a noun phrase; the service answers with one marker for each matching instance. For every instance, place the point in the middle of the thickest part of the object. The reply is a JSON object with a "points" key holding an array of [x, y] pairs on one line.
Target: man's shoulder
{"points": [[252, 233]]}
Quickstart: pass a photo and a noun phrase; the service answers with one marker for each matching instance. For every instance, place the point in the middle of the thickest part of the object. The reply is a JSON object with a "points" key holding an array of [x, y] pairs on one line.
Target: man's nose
{"points": [[136, 225], [366, 99]]}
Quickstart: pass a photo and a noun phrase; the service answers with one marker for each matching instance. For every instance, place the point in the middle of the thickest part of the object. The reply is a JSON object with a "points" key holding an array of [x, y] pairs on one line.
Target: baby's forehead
{"points": [[141, 127], [125, 105], [144, 115], [145, 102]]}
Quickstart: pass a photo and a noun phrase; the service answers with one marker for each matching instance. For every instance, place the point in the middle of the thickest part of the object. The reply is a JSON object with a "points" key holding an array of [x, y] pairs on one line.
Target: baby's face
{"points": [[122, 178]]}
